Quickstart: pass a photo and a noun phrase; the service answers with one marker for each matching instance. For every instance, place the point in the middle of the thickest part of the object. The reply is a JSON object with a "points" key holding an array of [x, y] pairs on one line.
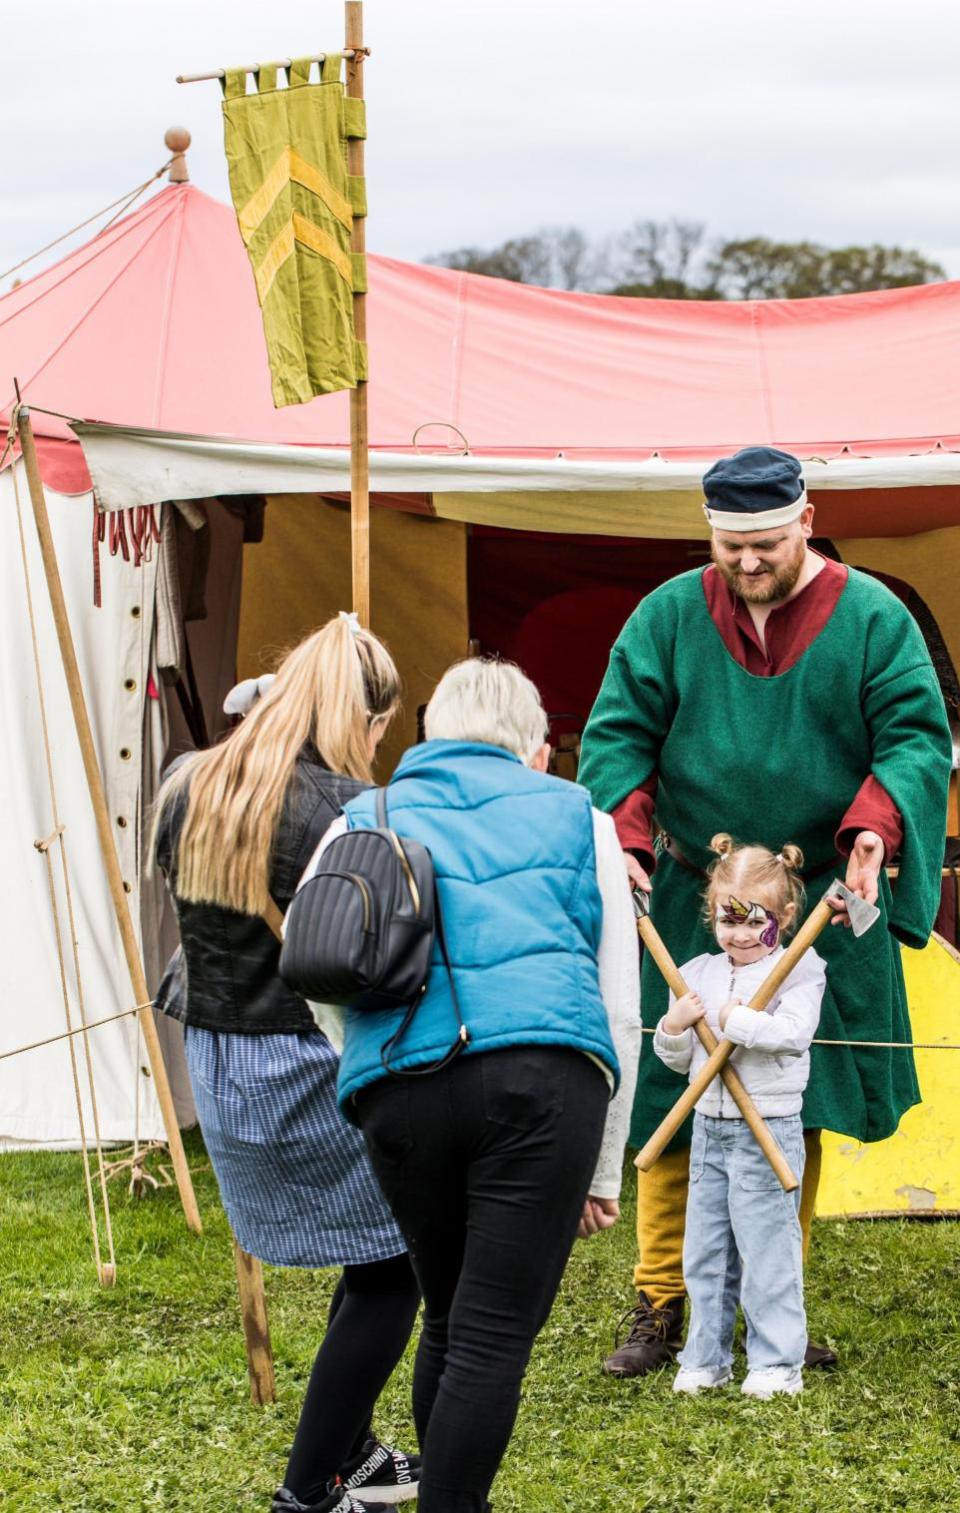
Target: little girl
{"points": [[742, 1238]]}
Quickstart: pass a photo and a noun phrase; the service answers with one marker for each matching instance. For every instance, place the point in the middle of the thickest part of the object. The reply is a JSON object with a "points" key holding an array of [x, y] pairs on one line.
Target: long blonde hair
{"points": [[334, 689], [753, 872]]}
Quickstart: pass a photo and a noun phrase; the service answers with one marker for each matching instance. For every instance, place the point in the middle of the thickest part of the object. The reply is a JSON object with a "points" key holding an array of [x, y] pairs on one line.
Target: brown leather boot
{"points": [[656, 1334], [819, 1357]]}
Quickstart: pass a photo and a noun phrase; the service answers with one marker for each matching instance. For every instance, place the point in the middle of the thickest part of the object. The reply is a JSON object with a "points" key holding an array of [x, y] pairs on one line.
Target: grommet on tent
{"points": [[177, 139]]}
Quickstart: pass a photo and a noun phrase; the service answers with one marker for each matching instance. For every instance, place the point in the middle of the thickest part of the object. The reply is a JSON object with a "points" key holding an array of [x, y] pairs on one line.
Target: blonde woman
{"points": [[235, 826]]}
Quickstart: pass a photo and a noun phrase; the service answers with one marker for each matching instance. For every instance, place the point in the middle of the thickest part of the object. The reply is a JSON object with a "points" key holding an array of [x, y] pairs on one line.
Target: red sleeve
{"points": [[872, 809], [633, 818]]}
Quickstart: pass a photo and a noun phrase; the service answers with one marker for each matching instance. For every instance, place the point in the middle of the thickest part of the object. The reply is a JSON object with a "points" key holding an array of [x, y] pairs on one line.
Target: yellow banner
{"points": [[287, 156]]}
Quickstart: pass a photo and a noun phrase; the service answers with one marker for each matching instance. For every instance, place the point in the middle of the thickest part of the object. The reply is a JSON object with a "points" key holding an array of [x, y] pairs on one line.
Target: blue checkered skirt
{"points": [[294, 1176]]}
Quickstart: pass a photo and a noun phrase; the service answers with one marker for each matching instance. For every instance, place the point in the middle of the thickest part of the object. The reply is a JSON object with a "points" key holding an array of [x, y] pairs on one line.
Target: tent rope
{"points": [[91, 1024], [125, 201], [883, 1045], [44, 847]]}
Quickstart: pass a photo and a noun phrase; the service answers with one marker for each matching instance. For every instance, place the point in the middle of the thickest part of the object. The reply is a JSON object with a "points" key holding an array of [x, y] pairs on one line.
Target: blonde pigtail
{"points": [[792, 858], [722, 844]]}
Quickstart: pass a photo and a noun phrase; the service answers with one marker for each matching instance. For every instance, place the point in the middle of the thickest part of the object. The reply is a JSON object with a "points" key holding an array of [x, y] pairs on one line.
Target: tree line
{"points": [[676, 259]]}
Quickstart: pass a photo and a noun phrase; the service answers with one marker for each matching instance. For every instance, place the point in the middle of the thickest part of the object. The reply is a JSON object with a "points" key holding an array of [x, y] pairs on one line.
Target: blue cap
{"points": [[755, 488]]}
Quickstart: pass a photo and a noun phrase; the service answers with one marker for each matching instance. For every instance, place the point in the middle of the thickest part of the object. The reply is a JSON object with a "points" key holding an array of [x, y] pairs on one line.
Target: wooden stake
{"points": [[359, 432], [256, 1329], [108, 848]]}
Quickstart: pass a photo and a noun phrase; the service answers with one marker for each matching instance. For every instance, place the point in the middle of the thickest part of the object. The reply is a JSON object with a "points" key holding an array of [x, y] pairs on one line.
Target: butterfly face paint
{"points": [[749, 916]]}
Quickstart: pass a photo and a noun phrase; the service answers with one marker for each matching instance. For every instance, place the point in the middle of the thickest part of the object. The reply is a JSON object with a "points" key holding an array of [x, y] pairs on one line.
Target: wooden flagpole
{"points": [[359, 432], [111, 860]]}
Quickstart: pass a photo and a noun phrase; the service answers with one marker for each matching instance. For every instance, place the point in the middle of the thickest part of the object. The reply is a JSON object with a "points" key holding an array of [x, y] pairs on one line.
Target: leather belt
{"points": [[667, 844]]}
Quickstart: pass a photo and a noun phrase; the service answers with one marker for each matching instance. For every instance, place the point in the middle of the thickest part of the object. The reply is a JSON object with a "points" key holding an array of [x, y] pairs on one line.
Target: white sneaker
{"points": [[775, 1379], [693, 1379]]}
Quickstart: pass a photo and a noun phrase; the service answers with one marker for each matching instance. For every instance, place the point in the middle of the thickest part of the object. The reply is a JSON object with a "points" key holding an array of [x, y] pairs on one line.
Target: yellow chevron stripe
{"points": [[320, 241], [291, 166], [277, 253], [311, 178], [299, 229]]}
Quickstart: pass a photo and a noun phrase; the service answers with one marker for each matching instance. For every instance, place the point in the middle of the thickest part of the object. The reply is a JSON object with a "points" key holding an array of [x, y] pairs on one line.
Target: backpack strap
{"points": [[463, 1035], [272, 917]]}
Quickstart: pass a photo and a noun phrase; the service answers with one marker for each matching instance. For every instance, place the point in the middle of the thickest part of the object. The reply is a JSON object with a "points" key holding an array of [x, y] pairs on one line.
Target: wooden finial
{"points": [[177, 140]]}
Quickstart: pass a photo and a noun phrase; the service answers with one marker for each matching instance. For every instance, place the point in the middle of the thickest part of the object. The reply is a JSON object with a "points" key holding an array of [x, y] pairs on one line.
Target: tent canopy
{"points": [[154, 326], [582, 413]]}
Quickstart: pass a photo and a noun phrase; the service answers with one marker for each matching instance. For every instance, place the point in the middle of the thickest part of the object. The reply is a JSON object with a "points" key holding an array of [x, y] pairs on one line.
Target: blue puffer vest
{"points": [[515, 865]]}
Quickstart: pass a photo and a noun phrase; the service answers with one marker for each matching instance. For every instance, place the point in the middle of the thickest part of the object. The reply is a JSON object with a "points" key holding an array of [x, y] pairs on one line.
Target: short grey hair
{"points": [[491, 702]]}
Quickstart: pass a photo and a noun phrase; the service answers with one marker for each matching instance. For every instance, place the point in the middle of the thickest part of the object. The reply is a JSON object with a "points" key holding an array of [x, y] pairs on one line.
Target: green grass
{"points": [[136, 1398]]}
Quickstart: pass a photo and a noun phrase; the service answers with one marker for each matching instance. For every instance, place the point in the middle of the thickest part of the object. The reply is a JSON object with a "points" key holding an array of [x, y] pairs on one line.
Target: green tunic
{"points": [[778, 760]]}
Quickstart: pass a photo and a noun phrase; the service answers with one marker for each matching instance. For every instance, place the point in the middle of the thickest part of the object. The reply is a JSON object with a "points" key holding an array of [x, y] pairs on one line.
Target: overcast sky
{"points": [[834, 120]]}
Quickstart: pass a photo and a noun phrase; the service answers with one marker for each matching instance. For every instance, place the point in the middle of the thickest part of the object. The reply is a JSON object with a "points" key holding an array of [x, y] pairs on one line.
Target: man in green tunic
{"points": [[781, 698]]}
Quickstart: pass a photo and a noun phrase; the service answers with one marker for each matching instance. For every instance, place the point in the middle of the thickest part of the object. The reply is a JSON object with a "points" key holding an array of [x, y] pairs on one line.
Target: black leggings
{"points": [[486, 1165], [370, 1321]]}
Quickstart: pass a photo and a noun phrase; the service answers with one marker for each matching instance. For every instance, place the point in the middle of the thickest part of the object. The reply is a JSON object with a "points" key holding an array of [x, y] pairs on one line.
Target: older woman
{"points": [[494, 1162]]}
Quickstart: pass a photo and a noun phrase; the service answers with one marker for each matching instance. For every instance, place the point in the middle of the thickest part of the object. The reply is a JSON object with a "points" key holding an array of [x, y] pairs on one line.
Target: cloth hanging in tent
{"points": [[295, 204]]}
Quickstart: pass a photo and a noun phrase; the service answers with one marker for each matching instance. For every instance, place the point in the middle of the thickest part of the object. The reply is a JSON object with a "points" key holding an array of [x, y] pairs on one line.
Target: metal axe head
{"points": [[860, 914], [641, 903]]}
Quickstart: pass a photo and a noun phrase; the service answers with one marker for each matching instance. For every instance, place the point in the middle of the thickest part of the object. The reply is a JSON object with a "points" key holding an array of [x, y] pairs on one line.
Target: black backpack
{"points": [[360, 931]]}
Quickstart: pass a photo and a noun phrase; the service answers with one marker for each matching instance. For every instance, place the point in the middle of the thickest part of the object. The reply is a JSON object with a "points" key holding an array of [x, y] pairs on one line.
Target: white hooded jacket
{"points": [[772, 1056]]}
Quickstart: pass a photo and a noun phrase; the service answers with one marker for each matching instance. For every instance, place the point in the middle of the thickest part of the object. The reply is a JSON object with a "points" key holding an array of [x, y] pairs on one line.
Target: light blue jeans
{"points": [[742, 1243]]}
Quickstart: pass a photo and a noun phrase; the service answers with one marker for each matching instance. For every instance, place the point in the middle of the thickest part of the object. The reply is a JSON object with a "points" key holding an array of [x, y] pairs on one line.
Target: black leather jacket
{"points": [[225, 977]]}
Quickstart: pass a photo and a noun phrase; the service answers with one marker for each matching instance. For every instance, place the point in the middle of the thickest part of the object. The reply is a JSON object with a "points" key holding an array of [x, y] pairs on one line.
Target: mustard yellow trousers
{"points": [[661, 1209]]}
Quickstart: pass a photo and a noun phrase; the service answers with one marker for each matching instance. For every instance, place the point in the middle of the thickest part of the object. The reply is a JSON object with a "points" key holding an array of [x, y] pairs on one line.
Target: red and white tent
{"points": [[153, 327], [490, 403]]}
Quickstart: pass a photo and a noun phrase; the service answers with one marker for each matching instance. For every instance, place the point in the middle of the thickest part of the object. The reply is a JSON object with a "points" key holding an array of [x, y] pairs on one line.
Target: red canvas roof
{"points": [[155, 323]]}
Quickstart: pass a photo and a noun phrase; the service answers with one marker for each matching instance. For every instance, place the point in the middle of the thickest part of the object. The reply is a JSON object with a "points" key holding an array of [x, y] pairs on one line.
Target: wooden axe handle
{"points": [[665, 1131], [802, 941], [654, 943]]}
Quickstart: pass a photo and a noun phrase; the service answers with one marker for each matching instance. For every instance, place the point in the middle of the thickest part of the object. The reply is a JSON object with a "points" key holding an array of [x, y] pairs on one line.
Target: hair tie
{"points": [[352, 619], [780, 858]]}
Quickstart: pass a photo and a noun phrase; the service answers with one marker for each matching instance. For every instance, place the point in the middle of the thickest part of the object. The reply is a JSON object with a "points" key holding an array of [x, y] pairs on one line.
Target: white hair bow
{"points": [[241, 699]]}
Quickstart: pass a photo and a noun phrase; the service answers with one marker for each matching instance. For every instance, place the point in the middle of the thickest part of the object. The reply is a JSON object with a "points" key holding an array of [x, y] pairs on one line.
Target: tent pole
{"points": [[98, 798], [359, 432]]}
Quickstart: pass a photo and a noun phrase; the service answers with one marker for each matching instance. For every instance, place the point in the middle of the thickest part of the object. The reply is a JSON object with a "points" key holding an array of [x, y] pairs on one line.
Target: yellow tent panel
{"points": [[918, 1169]]}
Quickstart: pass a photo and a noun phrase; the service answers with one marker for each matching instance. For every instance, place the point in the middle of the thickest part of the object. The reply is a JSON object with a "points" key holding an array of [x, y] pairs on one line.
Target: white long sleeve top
{"points": [[773, 1046], [619, 973]]}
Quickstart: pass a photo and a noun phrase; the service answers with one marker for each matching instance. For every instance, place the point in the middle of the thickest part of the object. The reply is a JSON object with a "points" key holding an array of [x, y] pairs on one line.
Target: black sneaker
{"points": [[382, 1475], [336, 1500]]}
